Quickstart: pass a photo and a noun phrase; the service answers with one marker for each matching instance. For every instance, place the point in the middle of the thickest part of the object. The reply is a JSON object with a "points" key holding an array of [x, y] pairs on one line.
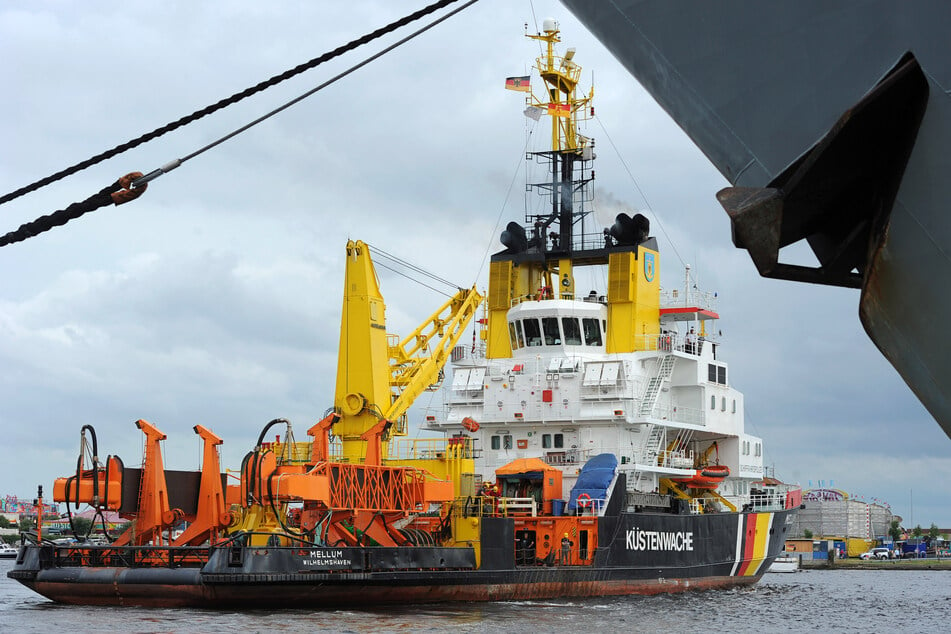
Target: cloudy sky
{"points": [[215, 298]]}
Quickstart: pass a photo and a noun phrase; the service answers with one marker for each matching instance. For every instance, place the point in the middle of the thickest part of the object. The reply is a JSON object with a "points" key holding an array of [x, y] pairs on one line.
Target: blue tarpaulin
{"points": [[595, 478]]}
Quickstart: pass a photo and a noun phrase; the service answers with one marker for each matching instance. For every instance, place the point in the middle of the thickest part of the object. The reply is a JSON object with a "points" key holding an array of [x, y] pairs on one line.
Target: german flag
{"points": [[559, 109], [518, 83], [752, 543]]}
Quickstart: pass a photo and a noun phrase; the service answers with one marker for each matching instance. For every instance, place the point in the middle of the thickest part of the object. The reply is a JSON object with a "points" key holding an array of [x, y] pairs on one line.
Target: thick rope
{"points": [[117, 193], [224, 103]]}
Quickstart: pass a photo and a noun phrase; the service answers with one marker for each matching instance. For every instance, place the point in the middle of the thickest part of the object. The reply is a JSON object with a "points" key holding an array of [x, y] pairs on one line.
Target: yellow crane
{"points": [[379, 376]]}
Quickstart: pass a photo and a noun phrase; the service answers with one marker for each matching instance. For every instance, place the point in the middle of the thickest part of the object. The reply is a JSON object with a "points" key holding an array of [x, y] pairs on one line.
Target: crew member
{"points": [[566, 545], [691, 340]]}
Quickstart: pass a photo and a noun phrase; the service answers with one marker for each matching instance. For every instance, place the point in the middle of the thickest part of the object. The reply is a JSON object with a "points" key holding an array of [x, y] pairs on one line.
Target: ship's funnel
{"points": [[514, 238], [630, 231]]}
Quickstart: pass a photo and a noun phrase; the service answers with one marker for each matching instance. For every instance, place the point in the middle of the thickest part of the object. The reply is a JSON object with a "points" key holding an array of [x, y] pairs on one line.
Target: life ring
{"points": [[585, 501]]}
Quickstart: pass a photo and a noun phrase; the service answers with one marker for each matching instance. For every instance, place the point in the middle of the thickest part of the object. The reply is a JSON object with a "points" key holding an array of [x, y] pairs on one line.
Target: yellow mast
{"points": [[541, 266], [561, 75], [509, 282]]}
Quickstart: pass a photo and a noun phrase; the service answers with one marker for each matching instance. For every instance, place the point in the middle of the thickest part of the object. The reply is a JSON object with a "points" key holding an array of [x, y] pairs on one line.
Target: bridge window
{"points": [[512, 336], [572, 331], [552, 334], [533, 334], [592, 331], [518, 334]]}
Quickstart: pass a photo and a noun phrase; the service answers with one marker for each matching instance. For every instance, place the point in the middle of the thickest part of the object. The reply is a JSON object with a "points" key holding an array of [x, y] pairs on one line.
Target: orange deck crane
{"points": [[347, 499]]}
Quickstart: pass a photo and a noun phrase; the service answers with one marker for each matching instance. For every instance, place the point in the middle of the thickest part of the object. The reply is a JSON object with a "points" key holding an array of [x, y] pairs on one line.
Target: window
{"points": [[507, 441], [734, 406], [533, 335], [713, 401], [723, 404], [552, 334], [518, 334], [716, 374], [546, 441], [512, 336], [592, 331], [496, 442], [572, 331], [559, 441]]}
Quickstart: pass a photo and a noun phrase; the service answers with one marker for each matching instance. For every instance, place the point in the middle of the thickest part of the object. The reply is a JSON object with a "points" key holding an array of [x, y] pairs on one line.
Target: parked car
{"points": [[877, 553]]}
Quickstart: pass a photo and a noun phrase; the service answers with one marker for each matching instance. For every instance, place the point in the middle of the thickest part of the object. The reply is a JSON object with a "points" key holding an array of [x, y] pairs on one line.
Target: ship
{"points": [[829, 120], [593, 443]]}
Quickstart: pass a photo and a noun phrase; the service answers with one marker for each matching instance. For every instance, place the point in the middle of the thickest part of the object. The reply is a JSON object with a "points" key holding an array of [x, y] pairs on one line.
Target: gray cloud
{"points": [[215, 297]]}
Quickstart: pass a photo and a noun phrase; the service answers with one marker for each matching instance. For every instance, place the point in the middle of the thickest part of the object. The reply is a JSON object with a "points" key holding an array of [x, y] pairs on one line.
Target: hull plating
{"points": [[754, 103], [648, 554]]}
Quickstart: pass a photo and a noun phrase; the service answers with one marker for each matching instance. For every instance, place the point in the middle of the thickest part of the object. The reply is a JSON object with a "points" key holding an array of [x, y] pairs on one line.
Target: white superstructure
{"points": [[562, 398]]}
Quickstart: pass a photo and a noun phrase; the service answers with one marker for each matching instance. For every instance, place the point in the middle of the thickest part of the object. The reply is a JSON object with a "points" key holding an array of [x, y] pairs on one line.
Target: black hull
{"points": [[788, 95], [648, 554]]}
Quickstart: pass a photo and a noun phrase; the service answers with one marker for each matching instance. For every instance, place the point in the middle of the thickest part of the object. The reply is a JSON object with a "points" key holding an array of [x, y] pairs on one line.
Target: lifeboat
{"points": [[708, 477]]}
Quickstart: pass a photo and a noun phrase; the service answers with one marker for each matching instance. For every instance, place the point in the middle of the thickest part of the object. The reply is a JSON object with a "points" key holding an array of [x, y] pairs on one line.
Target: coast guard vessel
{"points": [[594, 443]]}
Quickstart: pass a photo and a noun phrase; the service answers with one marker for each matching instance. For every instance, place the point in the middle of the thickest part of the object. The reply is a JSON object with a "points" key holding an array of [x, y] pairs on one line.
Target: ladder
{"points": [[652, 389], [655, 444]]}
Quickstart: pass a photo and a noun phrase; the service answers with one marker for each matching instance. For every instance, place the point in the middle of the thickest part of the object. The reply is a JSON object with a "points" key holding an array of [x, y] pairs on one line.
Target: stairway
{"points": [[655, 444], [652, 389]]}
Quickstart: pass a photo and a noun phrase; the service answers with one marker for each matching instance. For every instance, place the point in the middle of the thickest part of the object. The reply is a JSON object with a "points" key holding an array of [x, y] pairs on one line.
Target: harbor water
{"points": [[807, 601]]}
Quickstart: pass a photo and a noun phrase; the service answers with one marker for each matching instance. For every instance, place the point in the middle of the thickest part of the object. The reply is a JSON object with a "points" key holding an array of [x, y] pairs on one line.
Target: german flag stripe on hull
{"points": [[752, 541]]}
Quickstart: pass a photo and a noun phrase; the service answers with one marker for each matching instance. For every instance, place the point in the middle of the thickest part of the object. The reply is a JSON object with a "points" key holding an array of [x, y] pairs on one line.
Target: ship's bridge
{"points": [[557, 326]]}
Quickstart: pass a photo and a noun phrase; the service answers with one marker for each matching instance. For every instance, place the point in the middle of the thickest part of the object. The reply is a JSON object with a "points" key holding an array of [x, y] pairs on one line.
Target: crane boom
{"points": [[378, 380], [417, 361]]}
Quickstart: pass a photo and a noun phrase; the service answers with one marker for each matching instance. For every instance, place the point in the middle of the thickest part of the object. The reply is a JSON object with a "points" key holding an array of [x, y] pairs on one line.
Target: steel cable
{"points": [[228, 101]]}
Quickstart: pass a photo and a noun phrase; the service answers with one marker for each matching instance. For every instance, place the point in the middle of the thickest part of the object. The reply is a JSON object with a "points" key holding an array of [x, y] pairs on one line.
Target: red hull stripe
{"points": [[330, 596], [740, 524]]}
